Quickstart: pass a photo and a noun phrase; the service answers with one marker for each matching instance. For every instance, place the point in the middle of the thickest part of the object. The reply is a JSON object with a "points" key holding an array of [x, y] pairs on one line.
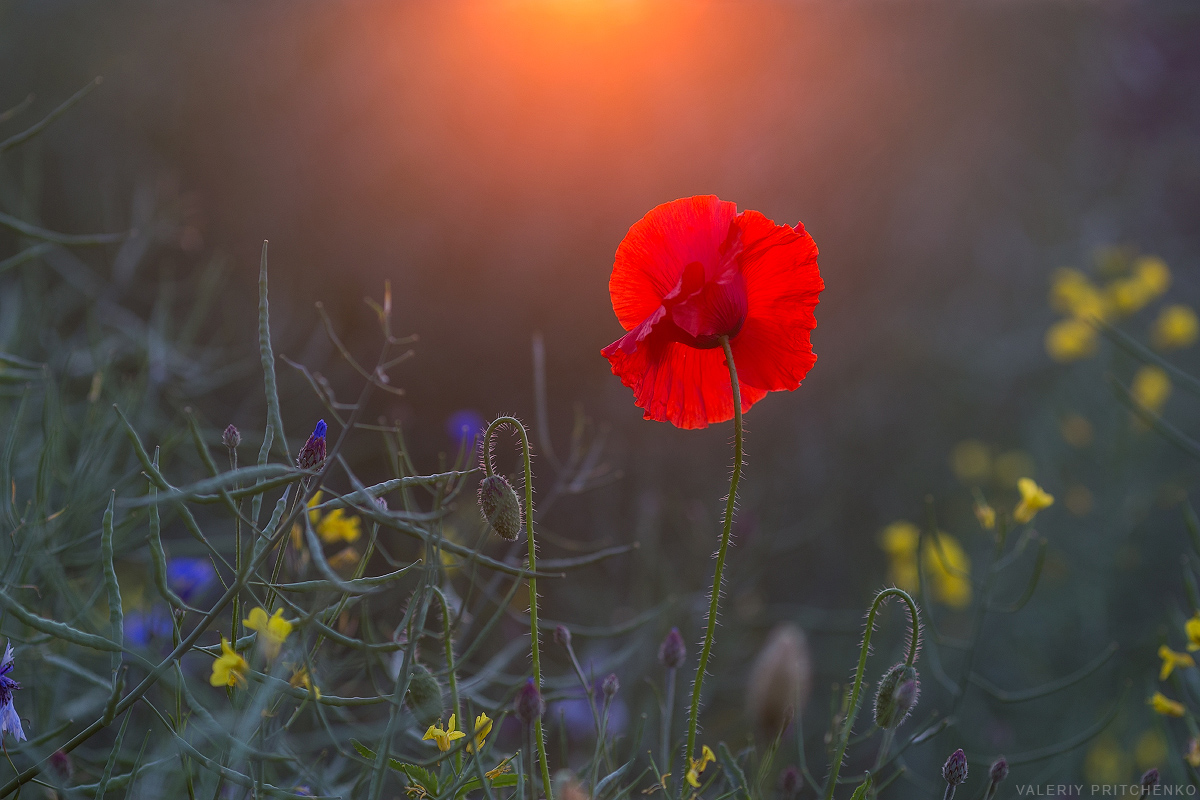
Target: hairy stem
{"points": [[533, 614], [715, 600]]}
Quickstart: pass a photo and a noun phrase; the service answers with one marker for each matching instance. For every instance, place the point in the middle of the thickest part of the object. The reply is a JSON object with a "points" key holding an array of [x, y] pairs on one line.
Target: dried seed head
{"points": [[500, 507], [313, 452], [1149, 781], [790, 782], [424, 695], [611, 686], [231, 438], [896, 696], [562, 635], [999, 770], [672, 652], [780, 681], [955, 768], [529, 704]]}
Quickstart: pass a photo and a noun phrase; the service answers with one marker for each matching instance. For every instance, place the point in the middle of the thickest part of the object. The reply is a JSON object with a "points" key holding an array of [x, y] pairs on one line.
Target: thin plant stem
{"points": [[852, 710], [715, 600], [533, 614], [668, 713]]}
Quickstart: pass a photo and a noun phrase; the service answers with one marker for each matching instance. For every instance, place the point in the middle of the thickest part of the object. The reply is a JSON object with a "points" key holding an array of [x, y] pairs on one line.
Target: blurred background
{"points": [[486, 158]]}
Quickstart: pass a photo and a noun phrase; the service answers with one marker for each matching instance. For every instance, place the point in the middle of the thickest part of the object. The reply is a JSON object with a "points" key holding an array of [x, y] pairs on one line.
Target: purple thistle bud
{"points": [[672, 652], [562, 635], [790, 782], [231, 438], [999, 770], [611, 686], [955, 768], [313, 452], [1149, 781], [381, 503], [529, 704]]}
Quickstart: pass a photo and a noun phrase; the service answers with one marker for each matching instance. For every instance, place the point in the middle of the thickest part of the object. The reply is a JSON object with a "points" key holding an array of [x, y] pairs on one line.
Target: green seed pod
{"points": [[424, 696], [896, 696], [500, 507]]}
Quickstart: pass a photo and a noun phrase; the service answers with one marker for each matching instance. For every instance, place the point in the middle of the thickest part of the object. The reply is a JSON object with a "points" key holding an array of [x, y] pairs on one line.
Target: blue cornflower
{"points": [[190, 577], [466, 424], [144, 626], [10, 721], [313, 452]]}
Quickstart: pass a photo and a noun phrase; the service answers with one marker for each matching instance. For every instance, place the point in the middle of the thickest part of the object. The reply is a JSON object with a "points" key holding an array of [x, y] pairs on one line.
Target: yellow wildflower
{"points": [[1192, 629], [947, 568], [336, 526], [971, 461], [1150, 750], [1166, 706], [1128, 295], [1151, 387], [499, 769], [986, 515], [1171, 660], [699, 765], [1033, 499], [1192, 756], [345, 559], [1072, 293], [272, 631], [313, 517], [1106, 762], [443, 737], [1070, 340], [302, 680], [1176, 327], [230, 668], [483, 726], [1153, 274]]}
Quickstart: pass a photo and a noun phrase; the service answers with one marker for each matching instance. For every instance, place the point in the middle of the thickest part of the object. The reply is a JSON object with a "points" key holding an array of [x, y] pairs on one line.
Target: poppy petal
{"points": [[651, 259], [773, 350], [674, 382]]}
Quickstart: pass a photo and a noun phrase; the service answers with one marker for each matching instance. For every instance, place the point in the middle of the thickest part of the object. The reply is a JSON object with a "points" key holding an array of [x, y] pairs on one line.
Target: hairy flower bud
{"points": [[562, 635], [424, 695], [231, 438], [955, 769], [999, 770], [500, 507], [529, 704], [672, 652], [780, 681], [313, 452], [1149, 781], [790, 782], [896, 696], [611, 686]]}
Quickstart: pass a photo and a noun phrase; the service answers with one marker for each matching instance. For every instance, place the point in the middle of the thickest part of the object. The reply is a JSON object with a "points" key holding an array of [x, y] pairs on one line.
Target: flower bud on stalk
{"points": [[529, 704], [1149, 781], [313, 452], [610, 687], [231, 438], [672, 652], [500, 507], [790, 782], [897, 694], [997, 773], [780, 681], [954, 771], [562, 636]]}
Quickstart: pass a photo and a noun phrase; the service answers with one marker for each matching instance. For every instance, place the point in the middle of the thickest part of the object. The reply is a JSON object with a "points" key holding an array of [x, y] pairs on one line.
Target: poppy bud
{"points": [[672, 652], [955, 769], [562, 636], [897, 694], [313, 452], [500, 507], [999, 770], [611, 686], [529, 704], [231, 438], [424, 695], [1149, 781], [780, 680], [790, 782]]}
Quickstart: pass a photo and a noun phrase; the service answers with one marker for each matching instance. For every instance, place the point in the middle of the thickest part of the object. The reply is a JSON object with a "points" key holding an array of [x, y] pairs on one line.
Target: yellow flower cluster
{"points": [[444, 738], [947, 567], [1171, 661], [272, 631], [336, 526], [1081, 302]]}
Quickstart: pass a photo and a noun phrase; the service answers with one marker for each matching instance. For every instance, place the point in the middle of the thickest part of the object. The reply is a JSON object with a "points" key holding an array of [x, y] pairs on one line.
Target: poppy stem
{"points": [[533, 614], [715, 599]]}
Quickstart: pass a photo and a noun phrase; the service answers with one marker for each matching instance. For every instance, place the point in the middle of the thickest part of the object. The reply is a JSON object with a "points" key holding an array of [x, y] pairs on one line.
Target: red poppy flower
{"points": [[692, 271]]}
